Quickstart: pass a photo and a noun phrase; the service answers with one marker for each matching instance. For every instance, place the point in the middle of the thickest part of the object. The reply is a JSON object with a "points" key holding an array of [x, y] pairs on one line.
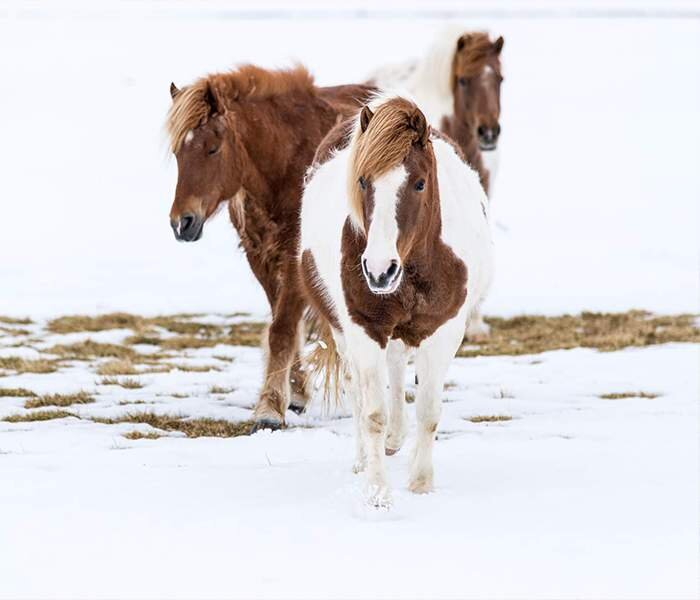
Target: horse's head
{"points": [[205, 147], [392, 189], [476, 85]]}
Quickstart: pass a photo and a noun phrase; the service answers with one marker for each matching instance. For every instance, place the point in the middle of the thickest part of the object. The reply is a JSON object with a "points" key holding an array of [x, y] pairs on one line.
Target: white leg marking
{"points": [[432, 361], [397, 357]]}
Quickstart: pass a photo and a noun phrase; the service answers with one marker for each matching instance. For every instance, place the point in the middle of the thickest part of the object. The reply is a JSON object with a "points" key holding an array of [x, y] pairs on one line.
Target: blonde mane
{"points": [[193, 105], [384, 144]]}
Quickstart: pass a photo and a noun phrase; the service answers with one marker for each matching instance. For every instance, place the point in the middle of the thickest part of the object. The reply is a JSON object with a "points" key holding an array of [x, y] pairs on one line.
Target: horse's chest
{"points": [[426, 299]]}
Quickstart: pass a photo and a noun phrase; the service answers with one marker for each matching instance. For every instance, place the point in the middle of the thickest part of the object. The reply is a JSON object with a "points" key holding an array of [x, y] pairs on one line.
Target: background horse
{"points": [[398, 265], [458, 85], [246, 138]]}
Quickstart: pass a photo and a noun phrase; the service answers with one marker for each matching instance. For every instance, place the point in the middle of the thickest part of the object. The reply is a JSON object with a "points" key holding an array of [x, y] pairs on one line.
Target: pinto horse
{"points": [[458, 84], [395, 252], [245, 138]]}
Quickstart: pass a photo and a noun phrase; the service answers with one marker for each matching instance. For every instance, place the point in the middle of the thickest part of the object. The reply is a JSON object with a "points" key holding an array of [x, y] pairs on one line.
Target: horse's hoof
{"points": [[270, 424], [391, 451]]}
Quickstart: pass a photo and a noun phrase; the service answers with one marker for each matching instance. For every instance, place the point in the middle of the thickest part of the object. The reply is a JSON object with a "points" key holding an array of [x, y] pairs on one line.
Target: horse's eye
{"points": [[212, 151], [420, 185], [462, 81], [363, 183]]}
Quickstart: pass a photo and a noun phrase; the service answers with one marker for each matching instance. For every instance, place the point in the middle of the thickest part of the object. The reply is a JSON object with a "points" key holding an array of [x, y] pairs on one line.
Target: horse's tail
{"points": [[323, 363]]}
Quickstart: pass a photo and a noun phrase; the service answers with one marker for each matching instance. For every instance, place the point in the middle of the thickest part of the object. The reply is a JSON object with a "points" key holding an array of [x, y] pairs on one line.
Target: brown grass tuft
{"points": [[117, 367], [151, 340], [23, 365], [603, 331], [16, 393], [139, 435], [89, 349], [195, 368], [183, 342], [489, 418], [192, 428], [217, 389], [40, 415], [59, 400], [15, 321], [129, 382], [624, 395], [74, 323]]}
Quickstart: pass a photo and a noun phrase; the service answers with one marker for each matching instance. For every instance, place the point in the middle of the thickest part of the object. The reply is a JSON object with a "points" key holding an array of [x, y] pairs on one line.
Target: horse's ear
{"points": [[498, 44], [420, 124], [365, 117], [173, 90], [462, 42], [211, 98]]}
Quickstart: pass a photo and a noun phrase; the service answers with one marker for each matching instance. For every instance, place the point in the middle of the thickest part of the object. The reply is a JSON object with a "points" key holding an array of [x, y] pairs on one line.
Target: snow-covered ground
{"points": [[595, 206], [575, 497], [596, 203]]}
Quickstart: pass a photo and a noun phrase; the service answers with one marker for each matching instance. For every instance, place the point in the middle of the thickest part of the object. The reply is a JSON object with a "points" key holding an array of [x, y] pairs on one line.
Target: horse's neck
{"points": [[464, 135]]}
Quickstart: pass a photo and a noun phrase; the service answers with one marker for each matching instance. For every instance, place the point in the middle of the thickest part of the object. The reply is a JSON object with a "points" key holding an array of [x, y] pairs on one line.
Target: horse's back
{"points": [[347, 99]]}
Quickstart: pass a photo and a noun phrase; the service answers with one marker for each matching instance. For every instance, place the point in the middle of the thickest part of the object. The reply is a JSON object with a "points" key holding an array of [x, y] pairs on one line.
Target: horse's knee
{"points": [[374, 421]]}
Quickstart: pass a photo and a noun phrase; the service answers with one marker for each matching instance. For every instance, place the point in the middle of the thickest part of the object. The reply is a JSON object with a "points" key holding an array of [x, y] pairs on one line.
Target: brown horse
{"points": [[246, 138], [395, 254], [458, 85]]}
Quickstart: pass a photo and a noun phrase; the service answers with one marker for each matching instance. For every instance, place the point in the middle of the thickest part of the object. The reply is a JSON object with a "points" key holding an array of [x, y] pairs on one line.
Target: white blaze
{"points": [[383, 231]]}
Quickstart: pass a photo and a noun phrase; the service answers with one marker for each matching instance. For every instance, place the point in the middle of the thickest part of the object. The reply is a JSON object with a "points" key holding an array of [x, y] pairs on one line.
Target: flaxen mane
{"points": [[193, 105], [384, 144]]}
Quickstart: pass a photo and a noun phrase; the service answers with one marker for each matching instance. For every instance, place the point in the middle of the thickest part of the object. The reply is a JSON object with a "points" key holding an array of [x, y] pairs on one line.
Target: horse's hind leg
{"points": [[397, 357], [432, 361], [281, 348]]}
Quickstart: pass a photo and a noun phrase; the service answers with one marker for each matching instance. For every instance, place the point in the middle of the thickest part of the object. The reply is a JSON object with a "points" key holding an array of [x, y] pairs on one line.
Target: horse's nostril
{"points": [[481, 130], [186, 222], [393, 268], [496, 130]]}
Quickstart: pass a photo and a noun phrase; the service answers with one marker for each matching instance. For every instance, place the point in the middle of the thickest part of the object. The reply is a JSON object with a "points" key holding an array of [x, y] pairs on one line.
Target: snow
{"points": [[596, 208], [575, 497]]}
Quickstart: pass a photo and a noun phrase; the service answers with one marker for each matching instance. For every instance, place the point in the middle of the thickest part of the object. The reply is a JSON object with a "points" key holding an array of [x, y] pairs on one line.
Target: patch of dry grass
{"points": [[217, 389], [223, 358], [246, 334], [90, 349], [489, 418], [74, 323], [624, 395], [25, 365], [140, 435], [81, 397], [13, 331], [603, 331], [192, 428], [15, 321], [128, 382], [195, 368], [40, 415], [130, 402], [141, 338], [117, 367], [16, 393], [184, 342]]}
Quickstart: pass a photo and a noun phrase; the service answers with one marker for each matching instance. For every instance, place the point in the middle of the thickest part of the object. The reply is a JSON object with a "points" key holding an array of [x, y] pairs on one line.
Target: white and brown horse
{"points": [[395, 252]]}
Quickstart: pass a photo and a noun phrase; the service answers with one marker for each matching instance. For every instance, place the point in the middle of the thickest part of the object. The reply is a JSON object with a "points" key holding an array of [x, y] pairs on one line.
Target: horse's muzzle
{"points": [[488, 137], [188, 228]]}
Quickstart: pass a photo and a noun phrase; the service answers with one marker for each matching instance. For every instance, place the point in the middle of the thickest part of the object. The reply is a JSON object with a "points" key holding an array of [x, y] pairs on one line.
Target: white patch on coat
{"points": [[383, 234]]}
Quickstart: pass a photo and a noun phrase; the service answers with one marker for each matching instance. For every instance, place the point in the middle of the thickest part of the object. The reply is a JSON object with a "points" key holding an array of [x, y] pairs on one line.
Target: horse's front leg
{"points": [[397, 358], [369, 370], [298, 380], [281, 348], [432, 361]]}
